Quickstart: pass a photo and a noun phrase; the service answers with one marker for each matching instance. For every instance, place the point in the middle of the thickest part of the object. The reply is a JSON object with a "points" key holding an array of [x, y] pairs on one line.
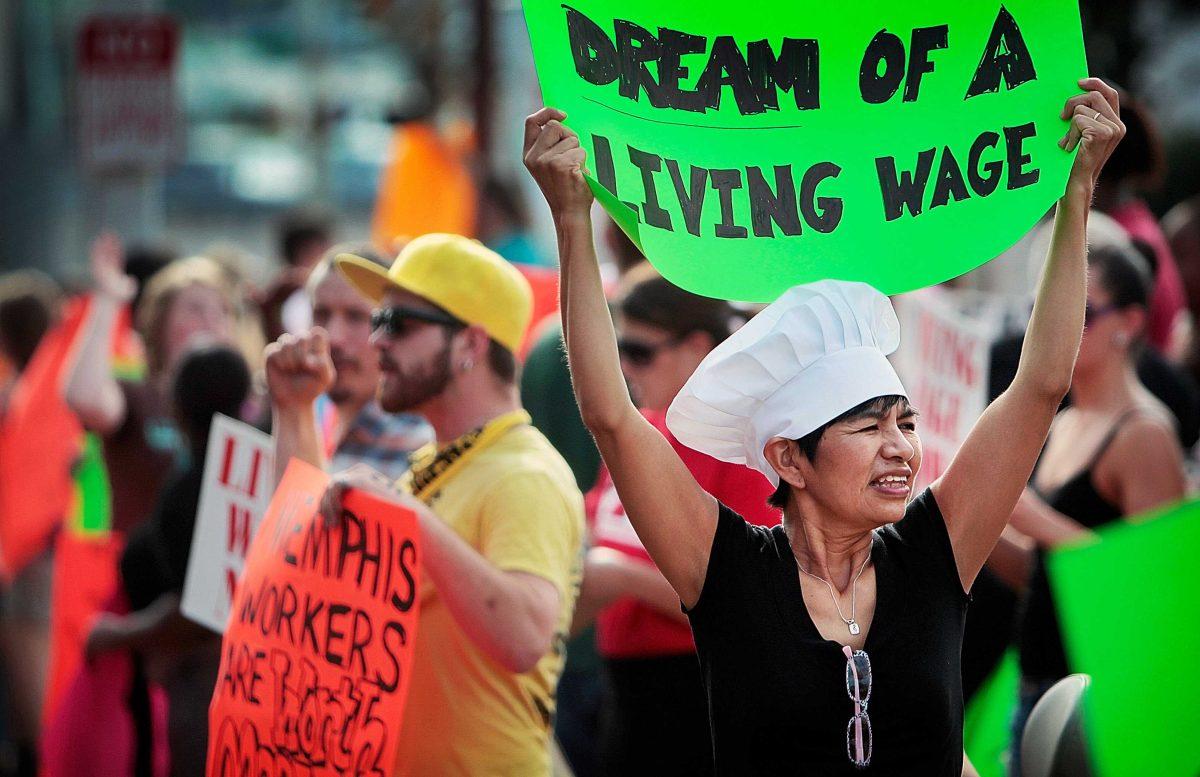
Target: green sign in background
{"points": [[1129, 605], [907, 252]]}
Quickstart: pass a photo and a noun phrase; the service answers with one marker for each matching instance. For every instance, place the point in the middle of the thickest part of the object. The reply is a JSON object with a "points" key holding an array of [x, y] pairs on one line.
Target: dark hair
{"points": [[210, 379], [658, 302], [1139, 157], [502, 362], [28, 301], [142, 262], [808, 443], [1124, 273], [299, 228], [506, 198]]}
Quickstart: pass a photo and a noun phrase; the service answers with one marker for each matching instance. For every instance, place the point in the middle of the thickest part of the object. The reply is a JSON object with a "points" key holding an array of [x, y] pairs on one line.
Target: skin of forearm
{"points": [[648, 586], [588, 329], [604, 583], [90, 389], [1047, 526], [296, 436], [1012, 559], [1056, 326], [495, 610], [146, 627]]}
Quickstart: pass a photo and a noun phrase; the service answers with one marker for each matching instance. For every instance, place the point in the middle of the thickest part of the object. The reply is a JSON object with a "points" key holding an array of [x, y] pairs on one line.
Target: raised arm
{"points": [[91, 391], [299, 369], [979, 489], [675, 519]]}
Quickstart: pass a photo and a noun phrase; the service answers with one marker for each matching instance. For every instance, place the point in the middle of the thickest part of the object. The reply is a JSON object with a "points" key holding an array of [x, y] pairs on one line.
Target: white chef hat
{"points": [[816, 352]]}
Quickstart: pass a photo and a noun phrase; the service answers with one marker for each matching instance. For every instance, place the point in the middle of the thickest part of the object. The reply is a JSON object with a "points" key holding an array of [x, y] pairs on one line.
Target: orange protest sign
{"points": [[316, 655]]}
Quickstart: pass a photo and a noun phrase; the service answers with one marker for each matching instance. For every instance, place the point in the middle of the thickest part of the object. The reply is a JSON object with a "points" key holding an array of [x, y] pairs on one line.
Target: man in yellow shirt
{"points": [[501, 517]]}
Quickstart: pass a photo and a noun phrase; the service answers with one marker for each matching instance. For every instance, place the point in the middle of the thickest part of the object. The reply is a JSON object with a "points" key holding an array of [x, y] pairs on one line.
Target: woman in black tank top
{"points": [[1113, 453], [830, 644]]}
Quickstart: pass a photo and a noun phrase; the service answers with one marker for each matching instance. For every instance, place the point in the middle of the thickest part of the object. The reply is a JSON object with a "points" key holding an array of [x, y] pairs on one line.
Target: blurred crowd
{"points": [[143, 358]]}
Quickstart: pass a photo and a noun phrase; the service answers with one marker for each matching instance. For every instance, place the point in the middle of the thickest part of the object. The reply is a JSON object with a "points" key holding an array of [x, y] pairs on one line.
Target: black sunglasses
{"points": [[394, 321], [642, 354]]}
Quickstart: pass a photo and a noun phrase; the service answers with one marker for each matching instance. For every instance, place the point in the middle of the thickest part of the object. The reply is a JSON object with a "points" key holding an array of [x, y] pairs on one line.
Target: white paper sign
{"points": [[126, 90], [944, 361], [236, 490]]}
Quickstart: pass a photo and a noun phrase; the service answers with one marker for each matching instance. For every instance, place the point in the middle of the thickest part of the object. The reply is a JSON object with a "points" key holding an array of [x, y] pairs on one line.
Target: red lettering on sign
{"points": [[238, 537], [128, 43]]}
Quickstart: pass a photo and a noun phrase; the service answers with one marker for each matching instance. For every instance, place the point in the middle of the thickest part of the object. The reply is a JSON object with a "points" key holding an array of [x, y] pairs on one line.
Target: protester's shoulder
{"points": [[375, 420], [403, 430], [751, 538], [1149, 439], [921, 536], [524, 461], [922, 521], [740, 563], [1153, 426], [526, 449]]}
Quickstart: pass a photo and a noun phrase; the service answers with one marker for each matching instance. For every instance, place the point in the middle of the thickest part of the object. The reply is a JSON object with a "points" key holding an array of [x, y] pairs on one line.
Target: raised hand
{"points": [[1096, 128], [555, 159], [299, 369], [107, 259]]}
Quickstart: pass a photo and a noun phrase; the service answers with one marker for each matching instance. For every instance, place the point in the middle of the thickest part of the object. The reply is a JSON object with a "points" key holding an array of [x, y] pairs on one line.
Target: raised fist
{"points": [[1096, 127], [299, 369], [555, 159]]}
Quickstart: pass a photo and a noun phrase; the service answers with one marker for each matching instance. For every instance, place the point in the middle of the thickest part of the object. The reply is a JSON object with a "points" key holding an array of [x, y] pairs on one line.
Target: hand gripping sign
{"points": [[748, 147], [316, 656]]}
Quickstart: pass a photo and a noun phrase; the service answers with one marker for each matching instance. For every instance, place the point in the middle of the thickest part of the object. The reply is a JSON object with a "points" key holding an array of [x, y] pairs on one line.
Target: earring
{"points": [[1120, 339], [467, 364]]}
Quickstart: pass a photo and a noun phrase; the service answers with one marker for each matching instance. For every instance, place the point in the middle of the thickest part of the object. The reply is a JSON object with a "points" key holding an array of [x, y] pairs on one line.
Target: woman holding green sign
{"points": [[830, 643]]}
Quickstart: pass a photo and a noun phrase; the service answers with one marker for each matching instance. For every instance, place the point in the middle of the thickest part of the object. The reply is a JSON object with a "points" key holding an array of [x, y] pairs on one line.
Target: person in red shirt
{"points": [[657, 720]]}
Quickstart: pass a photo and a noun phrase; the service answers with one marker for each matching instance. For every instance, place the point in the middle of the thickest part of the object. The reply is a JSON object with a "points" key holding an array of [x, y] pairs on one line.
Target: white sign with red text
{"points": [[944, 360], [237, 487], [125, 85]]}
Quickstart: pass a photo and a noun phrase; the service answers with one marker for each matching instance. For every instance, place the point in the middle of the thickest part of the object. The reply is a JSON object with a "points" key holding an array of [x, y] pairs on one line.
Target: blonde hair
{"points": [[162, 289]]}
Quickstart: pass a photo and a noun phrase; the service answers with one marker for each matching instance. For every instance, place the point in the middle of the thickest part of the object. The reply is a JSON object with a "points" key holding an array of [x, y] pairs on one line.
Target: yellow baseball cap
{"points": [[462, 276]]}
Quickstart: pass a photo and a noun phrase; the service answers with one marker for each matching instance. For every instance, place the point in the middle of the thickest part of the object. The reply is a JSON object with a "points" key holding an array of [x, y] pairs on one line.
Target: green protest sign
{"points": [[1129, 607], [747, 147], [987, 720]]}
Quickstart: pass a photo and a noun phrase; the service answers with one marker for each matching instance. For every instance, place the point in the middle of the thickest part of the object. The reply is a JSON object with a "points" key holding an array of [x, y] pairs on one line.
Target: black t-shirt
{"points": [[139, 455], [1043, 656], [776, 690], [156, 554]]}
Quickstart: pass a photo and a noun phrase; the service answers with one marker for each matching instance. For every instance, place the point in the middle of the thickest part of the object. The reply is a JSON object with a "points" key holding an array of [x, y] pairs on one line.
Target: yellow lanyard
{"points": [[432, 467]]}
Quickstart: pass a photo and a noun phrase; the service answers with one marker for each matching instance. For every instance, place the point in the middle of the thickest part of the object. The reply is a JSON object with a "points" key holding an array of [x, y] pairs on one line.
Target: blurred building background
{"points": [[278, 104], [283, 103]]}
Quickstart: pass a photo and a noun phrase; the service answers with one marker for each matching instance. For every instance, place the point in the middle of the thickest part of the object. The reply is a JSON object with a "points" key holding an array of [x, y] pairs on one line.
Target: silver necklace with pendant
{"points": [[850, 622]]}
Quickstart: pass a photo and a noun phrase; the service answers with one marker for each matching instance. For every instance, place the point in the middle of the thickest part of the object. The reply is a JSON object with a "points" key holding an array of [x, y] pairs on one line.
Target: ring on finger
{"points": [[1097, 116]]}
